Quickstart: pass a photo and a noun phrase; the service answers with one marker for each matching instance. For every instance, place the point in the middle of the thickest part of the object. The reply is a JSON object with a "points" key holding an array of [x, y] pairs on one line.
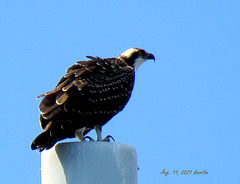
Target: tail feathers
{"points": [[54, 132], [44, 141]]}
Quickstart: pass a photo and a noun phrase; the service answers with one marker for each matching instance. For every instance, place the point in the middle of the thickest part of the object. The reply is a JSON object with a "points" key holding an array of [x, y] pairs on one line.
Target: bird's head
{"points": [[135, 57]]}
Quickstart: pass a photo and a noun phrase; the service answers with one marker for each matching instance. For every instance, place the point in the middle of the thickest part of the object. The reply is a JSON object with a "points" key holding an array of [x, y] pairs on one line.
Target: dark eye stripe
{"points": [[142, 52]]}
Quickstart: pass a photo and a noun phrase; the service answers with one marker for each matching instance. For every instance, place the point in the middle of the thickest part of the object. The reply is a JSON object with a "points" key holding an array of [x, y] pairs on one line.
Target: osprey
{"points": [[87, 97]]}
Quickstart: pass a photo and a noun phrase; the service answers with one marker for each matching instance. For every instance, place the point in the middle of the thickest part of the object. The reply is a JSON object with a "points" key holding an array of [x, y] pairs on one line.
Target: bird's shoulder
{"points": [[78, 76]]}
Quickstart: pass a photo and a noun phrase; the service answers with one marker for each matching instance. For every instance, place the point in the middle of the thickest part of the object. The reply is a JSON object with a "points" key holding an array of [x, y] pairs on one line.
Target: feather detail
{"points": [[81, 63], [90, 57], [42, 95], [69, 74], [59, 87], [48, 126], [80, 72], [61, 98], [52, 113], [90, 68], [67, 87], [74, 68], [99, 63], [46, 109], [80, 84], [47, 104]]}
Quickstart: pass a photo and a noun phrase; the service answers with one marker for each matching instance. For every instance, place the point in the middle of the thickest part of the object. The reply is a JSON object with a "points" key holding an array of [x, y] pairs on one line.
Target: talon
{"points": [[89, 138], [107, 138], [98, 130], [79, 133]]}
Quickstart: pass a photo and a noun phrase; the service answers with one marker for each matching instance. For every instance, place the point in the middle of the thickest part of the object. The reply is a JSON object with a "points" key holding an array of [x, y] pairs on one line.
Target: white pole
{"points": [[89, 163]]}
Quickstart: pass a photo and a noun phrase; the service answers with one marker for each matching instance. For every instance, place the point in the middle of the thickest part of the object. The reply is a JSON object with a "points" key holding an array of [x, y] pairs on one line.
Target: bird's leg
{"points": [[98, 130], [79, 133]]}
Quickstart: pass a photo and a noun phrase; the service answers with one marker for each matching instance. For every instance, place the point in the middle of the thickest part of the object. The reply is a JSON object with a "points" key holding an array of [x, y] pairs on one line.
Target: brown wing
{"points": [[86, 74], [50, 104]]}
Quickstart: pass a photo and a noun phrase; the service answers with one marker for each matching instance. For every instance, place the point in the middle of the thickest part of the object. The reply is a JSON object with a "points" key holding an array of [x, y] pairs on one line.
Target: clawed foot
{"points": [[108, 138], [89, 138], [98, 130], [80, 135]]}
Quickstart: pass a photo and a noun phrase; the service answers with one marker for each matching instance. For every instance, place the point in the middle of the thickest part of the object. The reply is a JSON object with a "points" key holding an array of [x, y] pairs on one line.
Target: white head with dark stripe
{"points": [[135, 57]]}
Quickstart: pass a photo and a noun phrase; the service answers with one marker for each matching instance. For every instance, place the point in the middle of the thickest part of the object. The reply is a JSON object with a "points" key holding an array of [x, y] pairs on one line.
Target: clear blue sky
{"points": [[185, 108]]}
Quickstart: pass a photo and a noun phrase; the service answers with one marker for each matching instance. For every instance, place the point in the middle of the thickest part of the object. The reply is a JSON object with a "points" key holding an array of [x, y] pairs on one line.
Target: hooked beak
{"points": [[150, 56]]}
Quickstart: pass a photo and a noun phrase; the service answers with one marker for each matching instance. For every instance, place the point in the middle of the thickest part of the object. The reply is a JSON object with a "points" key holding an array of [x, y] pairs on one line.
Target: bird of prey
{"points": [[87, 97]]}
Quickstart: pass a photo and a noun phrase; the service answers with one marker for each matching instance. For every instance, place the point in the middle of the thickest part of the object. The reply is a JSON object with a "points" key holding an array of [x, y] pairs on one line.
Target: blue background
{"points": [[184, 111]]}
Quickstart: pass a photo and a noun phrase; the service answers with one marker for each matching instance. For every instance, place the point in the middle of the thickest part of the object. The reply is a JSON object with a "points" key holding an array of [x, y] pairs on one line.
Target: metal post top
{"points": [[89, 162]]}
